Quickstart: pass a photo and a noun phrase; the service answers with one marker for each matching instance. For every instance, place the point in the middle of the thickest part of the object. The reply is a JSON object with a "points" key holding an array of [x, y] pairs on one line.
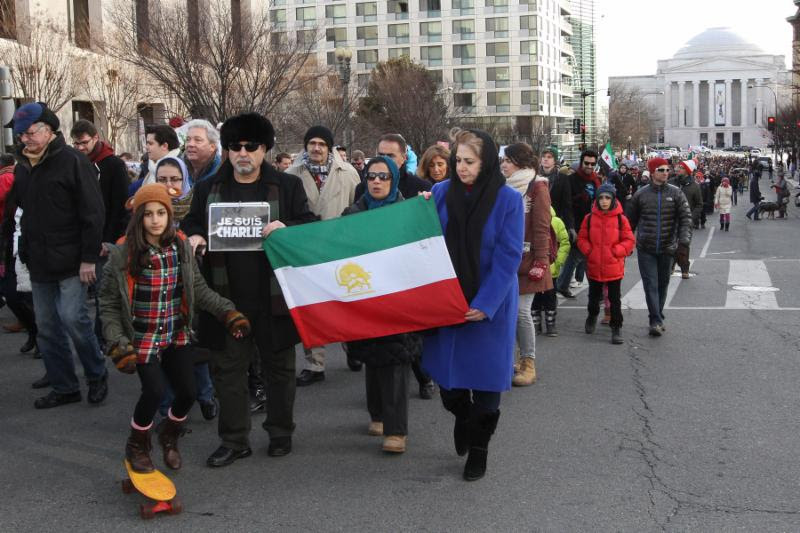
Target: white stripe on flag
{"points": [[391, 270]]}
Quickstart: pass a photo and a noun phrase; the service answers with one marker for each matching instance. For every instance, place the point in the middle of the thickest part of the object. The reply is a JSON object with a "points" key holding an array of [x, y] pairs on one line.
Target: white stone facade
{"points": [[717, 91]]}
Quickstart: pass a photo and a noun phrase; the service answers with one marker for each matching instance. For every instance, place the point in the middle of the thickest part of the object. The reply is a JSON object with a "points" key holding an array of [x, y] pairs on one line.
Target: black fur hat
{"points": [[251, 127]]}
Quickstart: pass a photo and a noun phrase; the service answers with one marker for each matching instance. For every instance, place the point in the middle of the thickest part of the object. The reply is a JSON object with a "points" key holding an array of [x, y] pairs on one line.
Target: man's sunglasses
{"points": [[589, 163], [662, 169], [237, 147], [383, 176]]}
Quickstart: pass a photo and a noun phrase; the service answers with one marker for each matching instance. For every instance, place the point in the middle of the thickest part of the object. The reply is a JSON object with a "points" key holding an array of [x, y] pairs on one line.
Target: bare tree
{"points": [[217, 62], [320, 102], [402, 97], [41, 69], [629, 115], [114, 89]]}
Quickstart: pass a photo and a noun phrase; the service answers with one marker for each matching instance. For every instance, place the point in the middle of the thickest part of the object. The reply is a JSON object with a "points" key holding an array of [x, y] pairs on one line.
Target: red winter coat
{"points": [[604, 245]]}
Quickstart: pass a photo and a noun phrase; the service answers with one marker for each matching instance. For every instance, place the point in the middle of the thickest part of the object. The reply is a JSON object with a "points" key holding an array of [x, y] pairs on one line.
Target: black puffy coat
{"points": [[62, 212], [694, 196], [399, 349], [661, 217]]}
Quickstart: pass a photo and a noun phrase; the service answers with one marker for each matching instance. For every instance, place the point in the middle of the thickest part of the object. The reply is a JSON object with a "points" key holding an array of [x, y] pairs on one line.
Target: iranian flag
{"points": [[607, 158], [370, 274]]}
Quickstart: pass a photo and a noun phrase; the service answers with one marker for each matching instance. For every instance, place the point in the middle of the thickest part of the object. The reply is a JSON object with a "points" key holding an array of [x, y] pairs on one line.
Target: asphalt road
{"points": [[696, 430]]}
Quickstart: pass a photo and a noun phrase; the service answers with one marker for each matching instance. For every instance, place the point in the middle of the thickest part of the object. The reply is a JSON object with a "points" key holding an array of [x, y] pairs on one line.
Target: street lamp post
{"points": [[343, 57]]}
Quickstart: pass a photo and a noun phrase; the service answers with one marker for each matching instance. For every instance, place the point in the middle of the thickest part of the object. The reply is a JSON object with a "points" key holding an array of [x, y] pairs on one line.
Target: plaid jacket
{"points": [[117, 293], [157, 316]]}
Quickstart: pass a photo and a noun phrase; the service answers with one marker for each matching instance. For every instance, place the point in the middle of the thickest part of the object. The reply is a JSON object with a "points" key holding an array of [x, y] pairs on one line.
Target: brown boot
{"points": [[168, 438], [527, 373], [137, 450]]}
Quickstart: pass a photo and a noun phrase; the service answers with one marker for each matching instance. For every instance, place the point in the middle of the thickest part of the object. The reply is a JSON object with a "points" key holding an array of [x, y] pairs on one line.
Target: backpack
{"points": [[589, 225]]}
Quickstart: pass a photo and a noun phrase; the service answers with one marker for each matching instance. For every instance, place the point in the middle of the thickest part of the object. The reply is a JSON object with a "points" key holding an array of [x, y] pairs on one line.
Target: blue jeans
{"points": [[568, 270], [753, 211], [203, 387], [655, 270], [62, 315]]}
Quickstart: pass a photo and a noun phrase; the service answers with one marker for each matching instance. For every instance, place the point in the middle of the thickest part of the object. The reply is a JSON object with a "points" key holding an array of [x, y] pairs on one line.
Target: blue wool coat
{"points": [[480, 355]]}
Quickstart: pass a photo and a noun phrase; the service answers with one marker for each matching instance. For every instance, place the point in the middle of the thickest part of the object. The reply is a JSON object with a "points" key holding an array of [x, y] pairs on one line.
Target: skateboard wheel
{"points": [[146, 511], [175, 506], [127, 486]]}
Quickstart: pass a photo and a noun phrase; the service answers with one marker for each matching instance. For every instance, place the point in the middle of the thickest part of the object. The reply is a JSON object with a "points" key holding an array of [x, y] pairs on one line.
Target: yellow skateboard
{"points": [[155, 486]]}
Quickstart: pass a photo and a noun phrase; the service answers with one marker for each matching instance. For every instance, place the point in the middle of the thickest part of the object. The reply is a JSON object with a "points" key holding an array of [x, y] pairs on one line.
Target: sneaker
{"points": [[98, 389], [566, 293], [55, 399], [209, 409], [394, 444], [41, 383], [427, 390], [656, 330], [258, 399], [309, 377], [684, 275]]}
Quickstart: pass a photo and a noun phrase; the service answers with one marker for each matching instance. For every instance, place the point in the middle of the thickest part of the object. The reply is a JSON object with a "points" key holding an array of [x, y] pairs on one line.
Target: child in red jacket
{"points": [[605, 239]]}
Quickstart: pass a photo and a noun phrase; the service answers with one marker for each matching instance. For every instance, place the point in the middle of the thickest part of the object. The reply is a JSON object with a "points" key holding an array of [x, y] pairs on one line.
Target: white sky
{"points": [[633, 34]]}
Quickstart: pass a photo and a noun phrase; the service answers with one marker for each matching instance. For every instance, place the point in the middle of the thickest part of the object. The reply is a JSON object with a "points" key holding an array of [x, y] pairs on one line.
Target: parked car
{"points": [[764, 162], [755, 152]]}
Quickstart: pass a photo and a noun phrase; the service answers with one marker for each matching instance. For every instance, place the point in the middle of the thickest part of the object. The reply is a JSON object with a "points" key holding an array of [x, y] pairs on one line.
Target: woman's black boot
{"points": [[481, 428]]}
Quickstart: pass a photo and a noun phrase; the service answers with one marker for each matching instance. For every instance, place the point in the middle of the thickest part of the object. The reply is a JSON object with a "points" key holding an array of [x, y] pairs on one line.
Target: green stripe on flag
{"points": [[329, 240]]}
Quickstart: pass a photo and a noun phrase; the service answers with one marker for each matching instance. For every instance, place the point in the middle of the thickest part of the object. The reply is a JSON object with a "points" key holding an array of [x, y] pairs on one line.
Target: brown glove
{"points": [[124, 358], [682, 255], [236, 324]]}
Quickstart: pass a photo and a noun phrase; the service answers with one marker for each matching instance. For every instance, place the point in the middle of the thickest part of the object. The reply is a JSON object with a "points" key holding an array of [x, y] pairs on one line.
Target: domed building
{"points": [[717, 91]]}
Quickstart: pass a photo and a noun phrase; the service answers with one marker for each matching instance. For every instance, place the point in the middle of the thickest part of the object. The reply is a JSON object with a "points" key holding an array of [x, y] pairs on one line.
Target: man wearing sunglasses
{"points": [[583, 186], [330, 184], [62, 223], [247, 279], [660, 216]]}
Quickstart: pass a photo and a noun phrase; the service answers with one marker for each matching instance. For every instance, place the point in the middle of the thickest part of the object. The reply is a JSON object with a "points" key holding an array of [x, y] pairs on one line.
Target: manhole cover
{"points": [[750, 288]]}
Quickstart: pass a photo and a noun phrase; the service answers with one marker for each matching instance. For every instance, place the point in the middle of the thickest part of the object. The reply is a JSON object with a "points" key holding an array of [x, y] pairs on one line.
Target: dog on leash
{"points": [[770, 208]]}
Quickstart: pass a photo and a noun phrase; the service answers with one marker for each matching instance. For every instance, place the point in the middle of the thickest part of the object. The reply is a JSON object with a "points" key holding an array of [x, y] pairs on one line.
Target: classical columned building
{"points": [[717, 91]]}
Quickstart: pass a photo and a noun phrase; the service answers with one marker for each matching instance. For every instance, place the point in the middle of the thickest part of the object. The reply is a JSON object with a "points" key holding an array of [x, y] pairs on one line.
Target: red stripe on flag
{"points": [[429, 306]]}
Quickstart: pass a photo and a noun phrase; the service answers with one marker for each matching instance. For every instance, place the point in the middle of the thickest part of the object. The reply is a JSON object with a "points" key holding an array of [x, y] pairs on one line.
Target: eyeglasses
{"points": [[77, 144], [383, 176], [31, 133], [589, 163], [662, 169], [237, 147]]}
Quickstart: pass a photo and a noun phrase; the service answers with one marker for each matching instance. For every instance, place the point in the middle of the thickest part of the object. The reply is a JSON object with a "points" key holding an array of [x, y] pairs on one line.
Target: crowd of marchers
{"points": [[81, 224]]}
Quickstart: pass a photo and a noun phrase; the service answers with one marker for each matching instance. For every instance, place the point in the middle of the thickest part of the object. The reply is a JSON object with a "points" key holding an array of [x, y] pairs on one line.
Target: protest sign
{"points": [[236, 226]]}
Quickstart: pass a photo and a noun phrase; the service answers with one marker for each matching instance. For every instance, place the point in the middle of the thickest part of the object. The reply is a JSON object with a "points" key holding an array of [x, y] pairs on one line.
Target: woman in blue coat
{"points": [[482, 221]]}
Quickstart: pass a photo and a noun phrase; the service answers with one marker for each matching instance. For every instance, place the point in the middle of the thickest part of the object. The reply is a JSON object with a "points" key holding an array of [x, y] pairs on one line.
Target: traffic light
{"points": [[771, 123], [576, 125]]}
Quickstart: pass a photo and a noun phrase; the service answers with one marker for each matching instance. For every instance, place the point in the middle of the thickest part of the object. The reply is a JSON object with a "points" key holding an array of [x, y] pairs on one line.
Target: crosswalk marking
{"points": [[741, 272], [754, 274]]}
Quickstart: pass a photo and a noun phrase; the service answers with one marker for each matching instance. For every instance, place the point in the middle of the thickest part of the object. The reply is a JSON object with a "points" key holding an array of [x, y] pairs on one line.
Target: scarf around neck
{"points": [[468, 212], [316, 169]]}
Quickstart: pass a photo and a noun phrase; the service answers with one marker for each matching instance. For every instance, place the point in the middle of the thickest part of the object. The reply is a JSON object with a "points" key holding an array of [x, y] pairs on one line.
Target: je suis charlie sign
{"points": [[236, 226]]}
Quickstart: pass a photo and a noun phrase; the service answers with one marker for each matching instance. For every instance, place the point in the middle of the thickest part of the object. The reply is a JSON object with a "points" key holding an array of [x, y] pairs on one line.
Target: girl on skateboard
{"points": [[147, 301]]}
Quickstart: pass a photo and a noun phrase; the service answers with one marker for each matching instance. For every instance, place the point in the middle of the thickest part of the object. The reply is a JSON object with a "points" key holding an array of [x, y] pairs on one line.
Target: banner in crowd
{"points": [[366, 275], [236, 226]]}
